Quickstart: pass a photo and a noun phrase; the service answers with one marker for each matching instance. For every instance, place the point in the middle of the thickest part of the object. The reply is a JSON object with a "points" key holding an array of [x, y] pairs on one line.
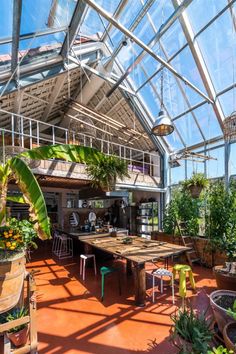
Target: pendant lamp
{"points": [[162, 125]]}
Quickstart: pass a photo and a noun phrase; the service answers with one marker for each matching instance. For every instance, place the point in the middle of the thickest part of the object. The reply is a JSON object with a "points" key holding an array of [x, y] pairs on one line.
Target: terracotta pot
{"points": [[224, 280], [195, 191], [228, 342], [221, 316], [12, 273], [19, 338]]}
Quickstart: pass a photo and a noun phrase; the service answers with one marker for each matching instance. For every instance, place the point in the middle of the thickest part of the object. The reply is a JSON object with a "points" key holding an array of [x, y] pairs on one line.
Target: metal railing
{"points": [[24, 132]]}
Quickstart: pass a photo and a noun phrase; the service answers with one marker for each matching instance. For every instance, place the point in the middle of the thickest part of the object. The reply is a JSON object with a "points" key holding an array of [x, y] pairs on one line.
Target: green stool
{"points": [[108, 270], [182, 269]]}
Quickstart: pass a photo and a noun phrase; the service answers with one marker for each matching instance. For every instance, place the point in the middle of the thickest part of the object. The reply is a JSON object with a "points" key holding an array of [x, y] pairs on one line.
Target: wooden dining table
{"points": [[136, 255]]}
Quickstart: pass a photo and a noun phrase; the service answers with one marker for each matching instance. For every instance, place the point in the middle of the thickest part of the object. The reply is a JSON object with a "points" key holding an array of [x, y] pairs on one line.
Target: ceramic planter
{"points": [[220, 313], [19, 338], [230, 329], [224, 280]]}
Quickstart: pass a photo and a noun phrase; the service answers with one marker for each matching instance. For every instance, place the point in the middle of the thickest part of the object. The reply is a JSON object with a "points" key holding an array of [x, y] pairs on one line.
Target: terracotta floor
{"points": [[72, 319]]}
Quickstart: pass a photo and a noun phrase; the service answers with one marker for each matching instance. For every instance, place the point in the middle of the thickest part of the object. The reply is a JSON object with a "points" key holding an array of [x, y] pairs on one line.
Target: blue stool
{"points": [[108, 270]]}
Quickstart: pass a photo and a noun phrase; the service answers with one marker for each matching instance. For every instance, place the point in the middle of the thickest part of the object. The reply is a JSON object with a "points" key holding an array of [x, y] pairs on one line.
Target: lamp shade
{"points": [[162, 125]]}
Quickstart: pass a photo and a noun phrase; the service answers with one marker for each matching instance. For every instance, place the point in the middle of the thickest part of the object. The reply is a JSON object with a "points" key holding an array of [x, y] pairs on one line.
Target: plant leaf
{"points": [[33, 196]]}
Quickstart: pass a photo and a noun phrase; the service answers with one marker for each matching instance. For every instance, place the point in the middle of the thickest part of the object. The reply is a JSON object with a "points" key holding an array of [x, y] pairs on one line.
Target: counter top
{"points": [[88, 235]]}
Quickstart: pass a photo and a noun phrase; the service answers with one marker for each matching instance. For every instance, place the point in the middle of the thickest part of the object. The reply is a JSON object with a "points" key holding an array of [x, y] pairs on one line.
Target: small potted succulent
{"points": [[191, 332], [221, 301], [229, 332], [195, 184], [17, 335]]}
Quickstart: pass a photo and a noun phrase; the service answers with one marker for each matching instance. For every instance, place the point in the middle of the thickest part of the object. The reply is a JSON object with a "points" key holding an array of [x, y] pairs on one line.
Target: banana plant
{"points": [[16, 168]]}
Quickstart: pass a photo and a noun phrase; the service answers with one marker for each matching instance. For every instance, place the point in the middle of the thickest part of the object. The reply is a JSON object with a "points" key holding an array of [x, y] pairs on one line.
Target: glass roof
{"points": [[197, 38], [200, 44]]}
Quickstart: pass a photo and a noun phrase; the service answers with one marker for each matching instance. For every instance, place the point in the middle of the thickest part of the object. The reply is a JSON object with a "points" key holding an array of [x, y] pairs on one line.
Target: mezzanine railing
{"points": [[26, 133]]}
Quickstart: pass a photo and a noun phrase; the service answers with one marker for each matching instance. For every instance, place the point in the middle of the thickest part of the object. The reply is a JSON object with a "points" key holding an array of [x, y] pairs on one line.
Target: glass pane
{"points": [[215, 168], [174, 141], [126, 20], [178, 173], [186, 66], [39, 15], [5, 56], [93, 22], [41, 46], [6, 18], [194, 167], [200, 12], [188, 130], [160, 12], [218, 45], [173, 39], [228, 102], [207, 121]]}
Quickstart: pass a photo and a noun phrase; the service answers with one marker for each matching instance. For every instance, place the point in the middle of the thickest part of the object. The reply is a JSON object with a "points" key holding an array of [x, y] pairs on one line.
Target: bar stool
{"points": [[108, 270], [183, 269], [160, 273], [83, 259], [63, 247]]}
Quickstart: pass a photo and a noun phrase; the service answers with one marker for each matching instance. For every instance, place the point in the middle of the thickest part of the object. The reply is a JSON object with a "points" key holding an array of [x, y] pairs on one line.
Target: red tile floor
{"points": [[72, 319]]}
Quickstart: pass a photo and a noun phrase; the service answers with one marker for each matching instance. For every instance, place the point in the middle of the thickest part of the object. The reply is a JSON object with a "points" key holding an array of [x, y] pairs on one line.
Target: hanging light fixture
{"points": [[162, 125]]}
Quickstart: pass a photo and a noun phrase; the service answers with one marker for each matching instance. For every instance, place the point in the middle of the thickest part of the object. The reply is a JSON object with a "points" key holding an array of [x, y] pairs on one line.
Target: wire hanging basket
{"points": [[230, 127]]}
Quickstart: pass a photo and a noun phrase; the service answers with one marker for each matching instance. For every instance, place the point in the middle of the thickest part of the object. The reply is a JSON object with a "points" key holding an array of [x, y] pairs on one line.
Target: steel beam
{"points": [[73, 28], [17, 9], [144, 47], [116, 15], [197, 55]]}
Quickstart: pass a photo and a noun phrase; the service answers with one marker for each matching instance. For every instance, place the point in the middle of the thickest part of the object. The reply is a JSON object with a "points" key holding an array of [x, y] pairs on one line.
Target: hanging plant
{"points": [[195, 184], [105, 171]]}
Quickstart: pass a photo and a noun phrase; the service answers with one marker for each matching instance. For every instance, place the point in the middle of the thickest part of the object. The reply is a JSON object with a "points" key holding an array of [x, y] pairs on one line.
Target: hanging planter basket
{"points": [[195, 191], [230, 127]]}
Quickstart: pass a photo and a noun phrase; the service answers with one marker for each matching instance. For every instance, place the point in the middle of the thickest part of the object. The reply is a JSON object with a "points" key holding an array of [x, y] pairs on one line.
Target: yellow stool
{"points": [[182, 269]]}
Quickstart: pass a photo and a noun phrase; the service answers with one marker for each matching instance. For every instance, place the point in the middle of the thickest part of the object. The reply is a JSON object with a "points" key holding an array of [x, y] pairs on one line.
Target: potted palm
{"points": [[191, 332], [195, 184], [18, 335]]}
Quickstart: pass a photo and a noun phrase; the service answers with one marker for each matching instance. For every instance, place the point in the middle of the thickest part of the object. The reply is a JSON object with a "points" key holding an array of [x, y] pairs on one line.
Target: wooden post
{"points": [[128, 267], [139, 284]]}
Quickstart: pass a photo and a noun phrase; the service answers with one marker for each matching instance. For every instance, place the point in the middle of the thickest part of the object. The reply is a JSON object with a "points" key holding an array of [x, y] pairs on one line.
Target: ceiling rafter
{"points": [[17, 9], [73, 28]]}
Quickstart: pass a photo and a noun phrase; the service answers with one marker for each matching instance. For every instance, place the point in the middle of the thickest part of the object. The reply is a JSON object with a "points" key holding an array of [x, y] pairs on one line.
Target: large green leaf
{"points": [[71, 153], [33, 196], [4, 174]]}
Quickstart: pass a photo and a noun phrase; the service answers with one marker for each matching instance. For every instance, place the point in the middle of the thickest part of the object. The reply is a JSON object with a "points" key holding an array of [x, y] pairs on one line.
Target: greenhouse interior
{"points": [[118, 176]]}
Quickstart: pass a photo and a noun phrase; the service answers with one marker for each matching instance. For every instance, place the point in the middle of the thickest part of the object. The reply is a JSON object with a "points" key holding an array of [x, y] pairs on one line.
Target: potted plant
{"points": [[191, 332], [196, 184], [221, 301], [18, 335], [105, 171], [229, 331]]}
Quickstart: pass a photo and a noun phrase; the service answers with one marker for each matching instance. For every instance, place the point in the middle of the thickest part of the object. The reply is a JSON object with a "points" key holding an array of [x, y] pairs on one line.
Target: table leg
{"points": [[140, 284], [88, 249], [128, 267]]}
